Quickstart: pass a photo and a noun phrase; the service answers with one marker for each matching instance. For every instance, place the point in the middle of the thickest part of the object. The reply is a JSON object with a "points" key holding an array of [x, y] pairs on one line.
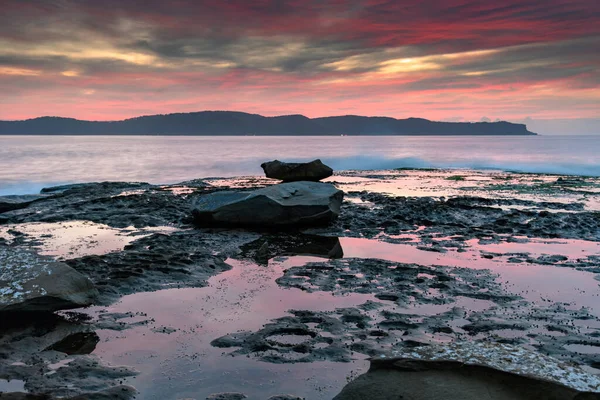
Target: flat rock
{"points": [[286, 204], [470, 371], [227, 396], [292, 172], [30, 282]]}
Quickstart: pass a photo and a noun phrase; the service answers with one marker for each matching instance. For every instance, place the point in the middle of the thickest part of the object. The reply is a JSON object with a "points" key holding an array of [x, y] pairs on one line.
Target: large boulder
{"points": [[286, 204], [293, 172], [30, 282]]}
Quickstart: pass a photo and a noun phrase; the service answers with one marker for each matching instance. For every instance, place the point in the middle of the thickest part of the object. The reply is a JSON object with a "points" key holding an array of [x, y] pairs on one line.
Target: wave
{"points": [[369, 162], [251, 166], [542, 167], [21, 188]]}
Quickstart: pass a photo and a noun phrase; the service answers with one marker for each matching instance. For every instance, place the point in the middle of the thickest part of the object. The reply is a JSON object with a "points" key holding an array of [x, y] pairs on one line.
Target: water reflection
{"points": [[183, 362], [535, 283], [275, 245]]}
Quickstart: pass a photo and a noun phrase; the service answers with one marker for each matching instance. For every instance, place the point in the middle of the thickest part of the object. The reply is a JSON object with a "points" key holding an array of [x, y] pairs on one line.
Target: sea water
{"points": [[29, 163]]}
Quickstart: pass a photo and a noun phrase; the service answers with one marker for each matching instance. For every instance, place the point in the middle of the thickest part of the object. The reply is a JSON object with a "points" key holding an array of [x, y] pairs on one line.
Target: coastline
{"points": [[490, 257]]}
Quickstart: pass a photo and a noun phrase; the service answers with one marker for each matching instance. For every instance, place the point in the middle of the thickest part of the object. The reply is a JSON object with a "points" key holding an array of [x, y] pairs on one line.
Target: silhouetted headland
{"points": [[223, 123]]}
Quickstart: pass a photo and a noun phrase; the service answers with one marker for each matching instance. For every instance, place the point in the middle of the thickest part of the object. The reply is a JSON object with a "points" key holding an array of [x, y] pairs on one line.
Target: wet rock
{"points": [[121, 392], [550, 259], [286, 204], [488, 326], [471, 371], [227, 396], [291, 172], [15, 202], [285, 397], [569, 181], [395, 282], [181, 259], [387, 296], [420, 380], [77, 343], [117, 204], [23, 396], [30, 283], [289, 340], [27, 354], [96, 187], [435, 249], [471, 219]]}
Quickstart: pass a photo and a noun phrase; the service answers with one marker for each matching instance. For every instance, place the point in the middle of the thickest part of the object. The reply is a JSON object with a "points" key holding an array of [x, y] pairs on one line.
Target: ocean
{"points": [[29, 163]]}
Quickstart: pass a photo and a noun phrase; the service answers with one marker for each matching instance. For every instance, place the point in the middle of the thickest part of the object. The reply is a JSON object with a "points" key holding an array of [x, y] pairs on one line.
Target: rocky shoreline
{"points": [[402, 271]]}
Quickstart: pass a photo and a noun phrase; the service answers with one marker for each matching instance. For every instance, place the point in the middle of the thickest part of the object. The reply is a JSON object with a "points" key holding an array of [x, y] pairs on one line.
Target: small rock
{"points": [[77, 343], [387, 296], [292, 172]]}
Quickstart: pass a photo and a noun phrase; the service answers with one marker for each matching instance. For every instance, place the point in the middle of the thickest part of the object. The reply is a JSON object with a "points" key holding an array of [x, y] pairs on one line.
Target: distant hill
{"points": [[222, 123]]}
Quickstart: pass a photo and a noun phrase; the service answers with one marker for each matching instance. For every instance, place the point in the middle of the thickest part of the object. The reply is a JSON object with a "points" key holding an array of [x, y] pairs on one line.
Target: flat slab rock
{"points": [[30, 282], [471, 371], [293, 172], [286, 204]]}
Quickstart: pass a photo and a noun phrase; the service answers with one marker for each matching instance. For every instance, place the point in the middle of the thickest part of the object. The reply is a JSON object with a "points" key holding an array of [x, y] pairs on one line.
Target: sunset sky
{"points": [[449, 60]]}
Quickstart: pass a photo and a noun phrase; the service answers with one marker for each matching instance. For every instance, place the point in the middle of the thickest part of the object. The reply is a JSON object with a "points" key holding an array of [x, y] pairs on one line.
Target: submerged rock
{"points": [[465, 371], [294, 203], [292, 172], [30, 282]]}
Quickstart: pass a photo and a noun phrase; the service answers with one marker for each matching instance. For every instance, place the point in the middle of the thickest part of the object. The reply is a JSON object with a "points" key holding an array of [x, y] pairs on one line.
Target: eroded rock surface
{"points": [[50, 354], [159, 261], [117, 204], [15, 202]]}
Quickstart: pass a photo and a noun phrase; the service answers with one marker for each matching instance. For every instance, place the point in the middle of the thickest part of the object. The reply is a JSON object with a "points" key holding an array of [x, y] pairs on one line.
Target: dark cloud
{"points": [[343, 53], [388, 22]]}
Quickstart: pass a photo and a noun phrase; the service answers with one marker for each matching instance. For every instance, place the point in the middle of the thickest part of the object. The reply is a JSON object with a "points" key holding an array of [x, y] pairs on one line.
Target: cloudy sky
{"points": [[442, 60]]}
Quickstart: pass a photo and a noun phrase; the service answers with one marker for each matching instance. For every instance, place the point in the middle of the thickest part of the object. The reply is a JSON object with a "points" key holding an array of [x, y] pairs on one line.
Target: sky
{"points": [[451, 60]]}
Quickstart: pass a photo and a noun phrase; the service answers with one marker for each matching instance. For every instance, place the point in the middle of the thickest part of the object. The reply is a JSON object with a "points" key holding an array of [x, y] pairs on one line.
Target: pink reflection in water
{"points": [[73, 239], [571, 248], [244, 298], [184, 364], [531, 281]]}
